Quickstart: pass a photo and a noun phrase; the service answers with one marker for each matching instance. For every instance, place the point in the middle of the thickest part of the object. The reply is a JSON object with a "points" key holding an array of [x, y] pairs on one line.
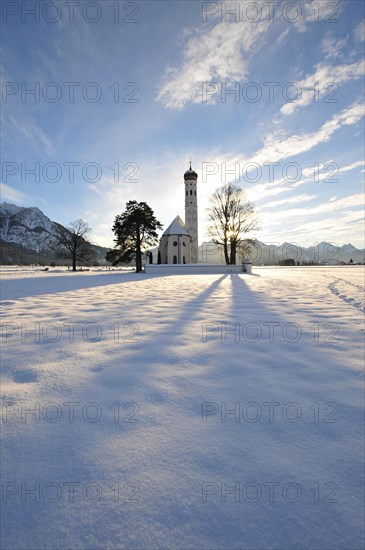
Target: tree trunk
{"points": [[74, 261], [226, 255], [233, 252], [138, 252]]}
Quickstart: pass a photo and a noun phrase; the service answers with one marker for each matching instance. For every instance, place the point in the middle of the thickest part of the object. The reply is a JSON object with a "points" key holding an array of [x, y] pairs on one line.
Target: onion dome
{"points": [[190, 174]]}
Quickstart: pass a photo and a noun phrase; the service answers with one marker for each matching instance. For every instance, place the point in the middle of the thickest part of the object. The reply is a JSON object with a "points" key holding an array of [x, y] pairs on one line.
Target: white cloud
{"points": [[290, 200], [347, 202], [220, 54], [322, 85], [352, 166], [315, 11], [348, 227], [14, 196], [33, 133], [223, 52], [324, 171], [332, 46], [165, 196], [336, 222], [276, 149], [359, 31], [265, 190]]}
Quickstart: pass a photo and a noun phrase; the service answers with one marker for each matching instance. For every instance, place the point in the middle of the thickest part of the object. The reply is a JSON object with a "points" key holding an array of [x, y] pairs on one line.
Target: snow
{"points": [[9, 209], [130, 376]]}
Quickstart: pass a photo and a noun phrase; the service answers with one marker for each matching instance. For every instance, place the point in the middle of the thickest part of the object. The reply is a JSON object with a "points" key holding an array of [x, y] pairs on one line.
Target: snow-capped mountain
{"points": [[275, 254], [28, 232], [27, 227]]}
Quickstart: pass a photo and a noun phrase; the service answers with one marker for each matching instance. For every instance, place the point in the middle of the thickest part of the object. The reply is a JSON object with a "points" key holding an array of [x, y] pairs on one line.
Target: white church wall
{"points": [[175, 249]]}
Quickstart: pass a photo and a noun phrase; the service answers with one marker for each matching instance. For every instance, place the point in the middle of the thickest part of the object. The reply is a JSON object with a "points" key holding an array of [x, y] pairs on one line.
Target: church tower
{"points": [[191, 211]]}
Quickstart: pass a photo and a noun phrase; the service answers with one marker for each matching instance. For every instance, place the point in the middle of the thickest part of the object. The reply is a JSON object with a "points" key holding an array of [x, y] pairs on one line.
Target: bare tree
{"points": [[244, 249], [231, 216], [73, 244]]}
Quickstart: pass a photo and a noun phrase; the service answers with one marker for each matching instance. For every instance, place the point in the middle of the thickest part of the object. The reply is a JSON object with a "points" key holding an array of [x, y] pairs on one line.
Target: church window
{"points": [[175, 243], [184, 261], [195, 193], [191, 191], [175, 260], [187, 192], [184, 243]]}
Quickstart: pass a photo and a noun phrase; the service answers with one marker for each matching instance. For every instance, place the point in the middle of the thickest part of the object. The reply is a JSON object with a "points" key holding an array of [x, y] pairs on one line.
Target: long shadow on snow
{"points": [[258, 368], [13, 289], [221, 371]]}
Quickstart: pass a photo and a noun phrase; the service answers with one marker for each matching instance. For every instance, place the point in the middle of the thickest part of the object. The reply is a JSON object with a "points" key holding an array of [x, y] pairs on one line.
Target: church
{"points": [[179, 243]]}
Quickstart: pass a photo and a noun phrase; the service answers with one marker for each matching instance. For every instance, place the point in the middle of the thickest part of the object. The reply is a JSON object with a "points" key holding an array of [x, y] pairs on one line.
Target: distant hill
{"points": [[28, 236], [269, 254]]}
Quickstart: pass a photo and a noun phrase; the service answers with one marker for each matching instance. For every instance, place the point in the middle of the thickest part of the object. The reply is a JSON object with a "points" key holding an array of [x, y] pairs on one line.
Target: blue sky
{"points": [[140, 87]]}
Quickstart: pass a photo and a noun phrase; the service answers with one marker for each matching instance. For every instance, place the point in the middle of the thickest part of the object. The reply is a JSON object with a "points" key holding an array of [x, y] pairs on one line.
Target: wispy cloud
{"points": [[359, 31], [352, 166], [14, 196], [323, 85], [33, 133], [332, 46], [224, 51], [276, 149], [347, 202], [348, 227], [337, 230], [314, 11], [219, 54], [324, 171], [336, 221], [291, 200]]}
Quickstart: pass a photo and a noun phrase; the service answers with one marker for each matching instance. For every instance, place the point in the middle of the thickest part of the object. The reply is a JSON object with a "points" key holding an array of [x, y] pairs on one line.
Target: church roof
{"points": [[177, 227]]}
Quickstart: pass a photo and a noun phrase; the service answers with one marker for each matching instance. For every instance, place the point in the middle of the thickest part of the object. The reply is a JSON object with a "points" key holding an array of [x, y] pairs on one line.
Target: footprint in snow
{"points": [[25, 376]]}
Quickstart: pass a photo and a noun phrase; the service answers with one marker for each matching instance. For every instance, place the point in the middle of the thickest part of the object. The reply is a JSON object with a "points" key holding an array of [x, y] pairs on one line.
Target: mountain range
{"points": [[28, 236], [323, 253]]}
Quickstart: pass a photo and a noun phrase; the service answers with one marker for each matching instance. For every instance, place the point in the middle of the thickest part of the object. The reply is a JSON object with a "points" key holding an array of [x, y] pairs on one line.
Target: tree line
{"points": [[231, 218]]}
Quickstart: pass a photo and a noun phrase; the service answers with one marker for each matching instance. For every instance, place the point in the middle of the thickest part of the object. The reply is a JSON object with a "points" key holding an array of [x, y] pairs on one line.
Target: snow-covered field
{"points": [[182, 412]]}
